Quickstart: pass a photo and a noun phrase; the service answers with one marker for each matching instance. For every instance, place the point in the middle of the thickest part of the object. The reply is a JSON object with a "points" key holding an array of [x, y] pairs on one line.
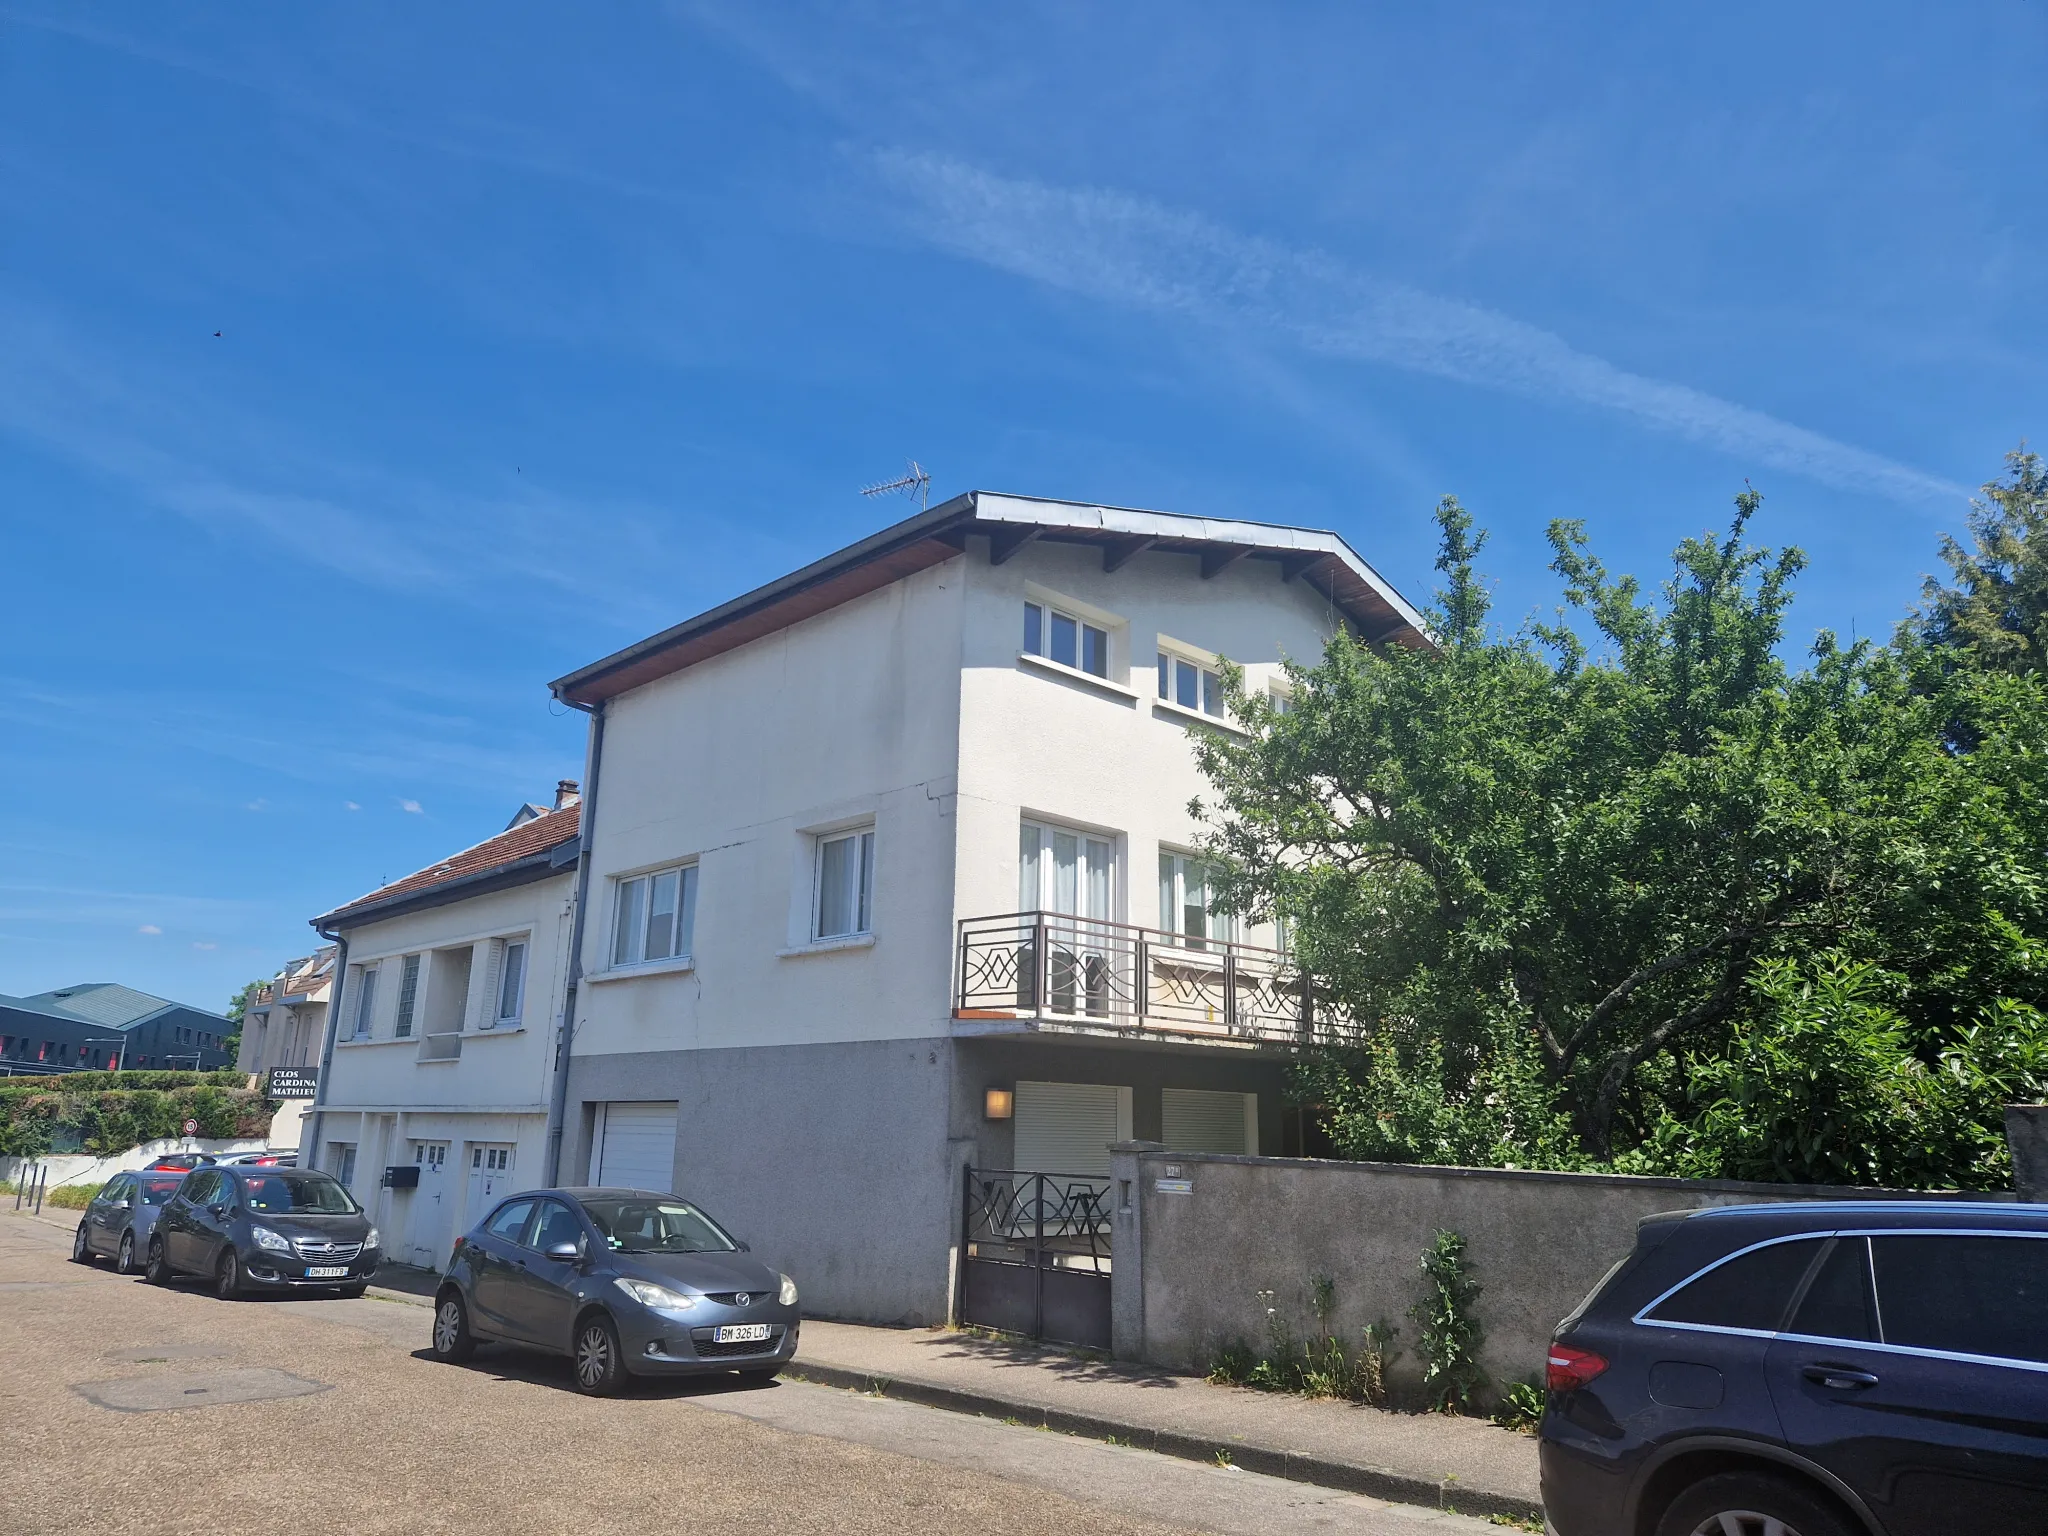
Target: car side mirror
{"points": [[745, 1247], [565, 1253]]}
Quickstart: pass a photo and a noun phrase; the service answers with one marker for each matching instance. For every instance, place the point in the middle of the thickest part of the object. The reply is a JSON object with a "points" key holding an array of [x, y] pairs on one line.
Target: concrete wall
{"points": [[1188, 1267], [833, 1161], [85, 1168]]}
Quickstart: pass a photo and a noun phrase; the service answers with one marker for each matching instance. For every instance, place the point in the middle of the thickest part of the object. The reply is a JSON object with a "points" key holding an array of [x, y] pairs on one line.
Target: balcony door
{"points": [[1071, 876]]}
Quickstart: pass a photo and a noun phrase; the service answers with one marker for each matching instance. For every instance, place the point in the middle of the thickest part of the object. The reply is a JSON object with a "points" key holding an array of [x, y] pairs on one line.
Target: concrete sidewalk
{"points": [[1433, 1459], [1438, 1460]]}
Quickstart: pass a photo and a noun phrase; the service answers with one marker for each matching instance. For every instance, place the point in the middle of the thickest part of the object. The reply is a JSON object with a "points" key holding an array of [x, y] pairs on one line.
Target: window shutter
{"points": [[1198, 1120], [1064, 1127]]}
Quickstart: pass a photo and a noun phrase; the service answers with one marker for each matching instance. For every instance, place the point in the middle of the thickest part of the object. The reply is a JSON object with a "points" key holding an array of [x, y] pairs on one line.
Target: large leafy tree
{"points": [[1542, 871], [1996, 603]]}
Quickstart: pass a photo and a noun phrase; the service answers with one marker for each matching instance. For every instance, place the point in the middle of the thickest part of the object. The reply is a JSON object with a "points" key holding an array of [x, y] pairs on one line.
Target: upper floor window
{"points": [[1070, 641], [512, 982], [1190, 684], [1063, 871], [1186, 891], [656, 916], [844, 903], [366, 1001], [408, 995]]}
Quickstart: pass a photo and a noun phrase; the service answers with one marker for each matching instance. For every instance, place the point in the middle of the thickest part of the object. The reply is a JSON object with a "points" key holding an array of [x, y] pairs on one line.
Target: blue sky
{"points": [[540, 329]]}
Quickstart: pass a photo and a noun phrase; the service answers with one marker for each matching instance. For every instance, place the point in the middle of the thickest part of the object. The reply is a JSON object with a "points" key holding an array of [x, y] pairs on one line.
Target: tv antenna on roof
{"points": [[918, 483]]}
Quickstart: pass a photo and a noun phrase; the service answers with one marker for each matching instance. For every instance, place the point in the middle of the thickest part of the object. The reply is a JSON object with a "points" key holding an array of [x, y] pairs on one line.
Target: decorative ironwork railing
{"points": [[1086, 971], [1052, 1220]]}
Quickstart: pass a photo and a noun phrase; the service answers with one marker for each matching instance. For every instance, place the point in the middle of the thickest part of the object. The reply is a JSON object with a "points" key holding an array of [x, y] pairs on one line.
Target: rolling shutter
{"points": [[1198, 1120], [636, 1147], [1066, 1127]]}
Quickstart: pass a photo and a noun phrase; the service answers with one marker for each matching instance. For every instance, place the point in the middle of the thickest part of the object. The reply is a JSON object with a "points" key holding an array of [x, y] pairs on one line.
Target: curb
{"points": [[1349, 1477]]}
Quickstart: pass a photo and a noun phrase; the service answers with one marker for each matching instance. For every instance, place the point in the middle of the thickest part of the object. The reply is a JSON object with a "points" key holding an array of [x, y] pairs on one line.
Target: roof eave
{"points": [[542, 865]]}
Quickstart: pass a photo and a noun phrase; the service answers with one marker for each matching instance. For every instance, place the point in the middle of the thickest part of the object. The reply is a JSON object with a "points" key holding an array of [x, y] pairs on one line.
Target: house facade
{"points": [[892, 874], [433, 1088], [99, 1025], [284, 1029]]}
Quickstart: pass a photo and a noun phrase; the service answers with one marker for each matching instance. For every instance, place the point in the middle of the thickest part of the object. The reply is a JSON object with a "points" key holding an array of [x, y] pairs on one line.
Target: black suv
{"points": [[1866, 1369], [256, 1229]]}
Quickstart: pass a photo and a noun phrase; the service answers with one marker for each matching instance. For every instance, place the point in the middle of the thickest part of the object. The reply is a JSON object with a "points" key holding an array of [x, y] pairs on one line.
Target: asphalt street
{"points": [[132, 1409]]}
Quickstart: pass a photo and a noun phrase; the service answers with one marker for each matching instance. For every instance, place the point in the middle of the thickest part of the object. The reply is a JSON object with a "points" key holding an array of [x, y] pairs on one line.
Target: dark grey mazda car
{"points": [[626, 1282]]}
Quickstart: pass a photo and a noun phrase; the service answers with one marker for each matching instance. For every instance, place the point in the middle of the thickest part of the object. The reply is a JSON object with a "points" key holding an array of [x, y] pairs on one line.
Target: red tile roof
{"points": [[548, 830]]}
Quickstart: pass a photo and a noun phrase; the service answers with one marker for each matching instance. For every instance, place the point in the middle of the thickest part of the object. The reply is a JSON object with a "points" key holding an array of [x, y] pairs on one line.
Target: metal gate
{"points": [[1035, 1255]]}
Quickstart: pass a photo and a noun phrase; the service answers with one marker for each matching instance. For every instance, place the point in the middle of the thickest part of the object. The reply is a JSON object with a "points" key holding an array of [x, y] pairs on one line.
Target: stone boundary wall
{"points": [[1198, 1236], [86, 1168]]}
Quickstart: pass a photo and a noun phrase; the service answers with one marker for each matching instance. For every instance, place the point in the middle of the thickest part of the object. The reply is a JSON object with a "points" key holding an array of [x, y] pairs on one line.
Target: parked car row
{"points": [[624, 1282], [247, 1227]]}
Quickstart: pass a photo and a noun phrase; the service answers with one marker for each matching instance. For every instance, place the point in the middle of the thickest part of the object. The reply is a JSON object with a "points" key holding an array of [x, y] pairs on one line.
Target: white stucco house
{"points": [[285, 1028], [891, 874], [434, 1084]]}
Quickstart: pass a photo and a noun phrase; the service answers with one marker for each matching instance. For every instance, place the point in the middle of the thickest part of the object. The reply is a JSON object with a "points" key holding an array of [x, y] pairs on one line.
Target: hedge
{"points": [[220, 1077], [116, 1119]]}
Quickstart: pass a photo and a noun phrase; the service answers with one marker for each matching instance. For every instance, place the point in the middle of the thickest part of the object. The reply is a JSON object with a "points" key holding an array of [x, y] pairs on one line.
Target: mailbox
{"points": [[402, 1176]]}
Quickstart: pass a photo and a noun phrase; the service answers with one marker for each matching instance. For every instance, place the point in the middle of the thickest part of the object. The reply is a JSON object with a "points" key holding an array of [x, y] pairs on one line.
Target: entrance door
{"points": [[1067, 1127], [490, 1178], [635, 1147], [426, 1221]]}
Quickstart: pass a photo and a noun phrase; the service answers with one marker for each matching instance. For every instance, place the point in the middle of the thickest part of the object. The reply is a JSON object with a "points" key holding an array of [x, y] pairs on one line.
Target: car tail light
{"points": [[1571, 1368]]}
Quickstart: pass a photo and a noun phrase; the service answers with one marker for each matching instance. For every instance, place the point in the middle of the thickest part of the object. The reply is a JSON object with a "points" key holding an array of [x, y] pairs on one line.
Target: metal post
{"points": [[1038, 1257], [1041, 965], [1308, 1010], [1230, 986], [966, 1237], [1141, 983]]}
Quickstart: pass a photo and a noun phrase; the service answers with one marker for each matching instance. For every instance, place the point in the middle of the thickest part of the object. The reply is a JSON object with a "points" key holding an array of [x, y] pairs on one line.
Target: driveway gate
{"points": [[1035, 1255]]}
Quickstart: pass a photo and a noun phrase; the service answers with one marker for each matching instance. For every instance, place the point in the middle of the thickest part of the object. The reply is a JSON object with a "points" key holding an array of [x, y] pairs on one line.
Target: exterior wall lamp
{"points": [[998, 1103]]}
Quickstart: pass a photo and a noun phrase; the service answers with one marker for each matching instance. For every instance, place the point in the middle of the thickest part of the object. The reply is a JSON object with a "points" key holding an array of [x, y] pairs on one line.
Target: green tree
{"points": [[1539, 879], [1997, 604]]}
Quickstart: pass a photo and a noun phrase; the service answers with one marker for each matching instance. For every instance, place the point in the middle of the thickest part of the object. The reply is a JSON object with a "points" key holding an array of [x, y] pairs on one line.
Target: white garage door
{"points": [[1067, 1127], [635, 1147], [1198, 1120]]}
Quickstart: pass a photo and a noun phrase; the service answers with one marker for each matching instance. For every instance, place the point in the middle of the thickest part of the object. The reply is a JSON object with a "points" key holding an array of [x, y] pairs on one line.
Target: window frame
{"points": [[499, 1019], [860, 883], [1040, 615], [682, 916], [1172, 916], [1207, 670], [1046, 857], [364, 1023], [409, 967]]}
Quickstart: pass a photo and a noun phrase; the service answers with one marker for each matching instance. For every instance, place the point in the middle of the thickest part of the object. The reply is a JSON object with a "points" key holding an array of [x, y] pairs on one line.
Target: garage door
{"points": [[1198, 1120], [1067, 1127], [635, 1147]]}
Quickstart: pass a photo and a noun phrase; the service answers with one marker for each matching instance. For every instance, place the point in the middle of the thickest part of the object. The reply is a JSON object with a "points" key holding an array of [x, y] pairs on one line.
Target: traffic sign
{"points": [[191, 1127]]}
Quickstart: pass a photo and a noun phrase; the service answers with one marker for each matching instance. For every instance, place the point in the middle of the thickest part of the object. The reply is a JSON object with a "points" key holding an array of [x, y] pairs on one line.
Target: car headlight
{"points": [[659, 1297], [374, 1240], [265, 1238], [788, 1294]]}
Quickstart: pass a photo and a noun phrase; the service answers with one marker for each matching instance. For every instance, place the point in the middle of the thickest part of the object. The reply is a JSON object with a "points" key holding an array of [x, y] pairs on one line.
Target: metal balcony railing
{"points": [[1084, 972]]}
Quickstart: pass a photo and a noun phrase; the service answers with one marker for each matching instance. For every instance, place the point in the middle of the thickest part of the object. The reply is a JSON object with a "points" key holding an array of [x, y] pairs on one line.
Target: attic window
{"points": [[1070, 641]]}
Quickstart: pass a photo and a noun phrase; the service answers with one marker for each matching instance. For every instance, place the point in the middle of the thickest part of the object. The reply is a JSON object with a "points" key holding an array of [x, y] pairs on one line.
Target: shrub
{"points": [[1451, 1335]]}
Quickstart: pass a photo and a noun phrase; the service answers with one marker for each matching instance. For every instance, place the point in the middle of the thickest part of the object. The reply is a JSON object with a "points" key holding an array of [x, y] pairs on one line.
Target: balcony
{"points": [[444, 1046], [1085, 975]]}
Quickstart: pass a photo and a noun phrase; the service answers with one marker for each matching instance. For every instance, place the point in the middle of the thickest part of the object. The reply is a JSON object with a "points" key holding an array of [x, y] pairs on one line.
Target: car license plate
{"points": [[741, 1333], [327, 1272]]}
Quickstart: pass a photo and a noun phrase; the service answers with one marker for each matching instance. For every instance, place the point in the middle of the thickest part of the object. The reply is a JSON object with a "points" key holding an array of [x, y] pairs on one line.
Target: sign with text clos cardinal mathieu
{"points": [[292, 1083]]}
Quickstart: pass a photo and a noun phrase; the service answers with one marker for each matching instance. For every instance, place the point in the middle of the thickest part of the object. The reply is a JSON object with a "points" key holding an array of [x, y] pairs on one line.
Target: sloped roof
{"points": [[1320, 559], [531, 842], [99, 1002]]}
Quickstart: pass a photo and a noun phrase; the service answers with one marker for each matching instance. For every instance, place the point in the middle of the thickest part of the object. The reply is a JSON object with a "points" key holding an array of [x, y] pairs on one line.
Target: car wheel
{"points": [[124, 1261], [1751, 1504], [453, 1341], [81, 1247], [227, 1278], [156, 1268], [600, 1367]]}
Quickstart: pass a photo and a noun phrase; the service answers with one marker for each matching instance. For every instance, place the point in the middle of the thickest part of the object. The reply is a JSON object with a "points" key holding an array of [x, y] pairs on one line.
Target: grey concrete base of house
{"points": [[2026, 1132], [1427, 1459]]}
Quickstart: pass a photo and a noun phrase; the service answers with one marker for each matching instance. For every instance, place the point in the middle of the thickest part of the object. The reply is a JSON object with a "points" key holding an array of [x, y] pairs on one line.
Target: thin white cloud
{"points": [[1126, 251], [411, 807], [149, 928], [257, 805], [203, 944], [350, 805]]}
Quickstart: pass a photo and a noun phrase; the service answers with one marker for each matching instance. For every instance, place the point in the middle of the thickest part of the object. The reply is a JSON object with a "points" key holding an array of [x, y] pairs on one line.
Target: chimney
{"points": [[566, 793]]}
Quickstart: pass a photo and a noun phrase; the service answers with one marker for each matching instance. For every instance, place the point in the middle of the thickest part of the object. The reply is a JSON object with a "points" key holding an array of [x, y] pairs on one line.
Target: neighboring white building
{"points": [[434, 1092], [285, 1027], [909, 826]]}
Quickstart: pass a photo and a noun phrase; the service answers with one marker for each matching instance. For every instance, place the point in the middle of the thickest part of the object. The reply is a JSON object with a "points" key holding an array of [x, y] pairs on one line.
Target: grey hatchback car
{"points": [[118, 1222], [625, 1282]]}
